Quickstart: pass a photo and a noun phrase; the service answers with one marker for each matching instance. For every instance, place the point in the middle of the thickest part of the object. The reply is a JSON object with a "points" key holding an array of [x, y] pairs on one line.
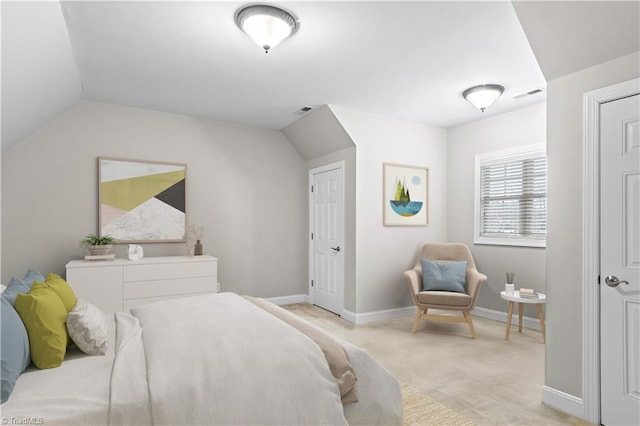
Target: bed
{"points": [[211, 359]]}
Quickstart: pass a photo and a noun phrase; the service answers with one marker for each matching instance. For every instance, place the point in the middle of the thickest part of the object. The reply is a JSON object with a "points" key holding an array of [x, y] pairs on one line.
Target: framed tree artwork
{"points": [[142, 201], [405, 195]]}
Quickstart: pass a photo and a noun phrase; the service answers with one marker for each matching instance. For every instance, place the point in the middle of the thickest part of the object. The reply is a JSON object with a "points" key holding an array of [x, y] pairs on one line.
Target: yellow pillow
{"points": [[63, 290], [44, 316]]}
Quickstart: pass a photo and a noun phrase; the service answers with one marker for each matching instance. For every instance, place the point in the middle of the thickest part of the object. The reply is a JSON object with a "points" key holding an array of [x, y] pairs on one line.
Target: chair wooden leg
{"points": [[417, 320], [467, 315]]}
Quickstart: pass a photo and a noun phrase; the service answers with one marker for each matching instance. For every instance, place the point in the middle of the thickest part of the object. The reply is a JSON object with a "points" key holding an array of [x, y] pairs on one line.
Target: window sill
{"points": [[517, 242]]}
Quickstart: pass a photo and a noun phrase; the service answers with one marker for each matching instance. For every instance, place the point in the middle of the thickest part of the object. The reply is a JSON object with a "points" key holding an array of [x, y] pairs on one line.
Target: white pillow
{"points": [[2, 287], [88, 328]]}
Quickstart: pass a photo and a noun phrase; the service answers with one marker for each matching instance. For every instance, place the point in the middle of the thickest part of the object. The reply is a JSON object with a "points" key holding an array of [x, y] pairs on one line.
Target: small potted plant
{"points": [[98, 244], [509, 287]]}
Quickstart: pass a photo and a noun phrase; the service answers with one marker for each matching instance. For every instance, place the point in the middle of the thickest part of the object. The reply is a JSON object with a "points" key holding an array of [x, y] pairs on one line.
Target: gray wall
{"points": [[317, 134], [347, 155], [247, 186], [522, 127], [1, 220], [563, 366], [384, 252], [321, 140]]}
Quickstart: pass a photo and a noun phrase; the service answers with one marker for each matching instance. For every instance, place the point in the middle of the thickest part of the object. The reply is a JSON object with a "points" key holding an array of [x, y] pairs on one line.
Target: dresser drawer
{"points": [[120, 284], [132, 303], [169, 271], [172, 287], [100, 285]]}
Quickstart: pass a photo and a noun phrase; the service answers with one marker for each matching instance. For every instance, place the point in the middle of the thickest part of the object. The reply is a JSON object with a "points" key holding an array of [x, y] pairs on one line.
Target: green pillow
{"points": [[443, 276], [44, 316], [63, 290]]}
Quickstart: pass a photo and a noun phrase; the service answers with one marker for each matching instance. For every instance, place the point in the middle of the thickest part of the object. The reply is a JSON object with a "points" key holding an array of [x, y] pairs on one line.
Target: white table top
{"points": [[515, 297]]}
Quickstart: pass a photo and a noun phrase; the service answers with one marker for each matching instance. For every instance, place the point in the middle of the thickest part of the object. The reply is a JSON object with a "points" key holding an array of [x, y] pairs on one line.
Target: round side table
{"points": [[515, 298]]}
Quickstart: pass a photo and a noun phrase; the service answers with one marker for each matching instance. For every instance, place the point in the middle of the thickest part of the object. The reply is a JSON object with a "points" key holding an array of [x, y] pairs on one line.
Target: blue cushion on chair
{"points": [[15, 348], [443, 276]]}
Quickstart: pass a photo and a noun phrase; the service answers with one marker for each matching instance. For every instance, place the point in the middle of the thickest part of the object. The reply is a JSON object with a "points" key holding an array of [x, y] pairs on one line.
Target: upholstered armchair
{"points": [[462, 300]]}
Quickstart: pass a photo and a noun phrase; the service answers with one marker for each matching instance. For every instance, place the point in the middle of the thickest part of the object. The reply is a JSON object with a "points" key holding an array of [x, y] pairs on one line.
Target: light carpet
{"points": [[421, 410]]}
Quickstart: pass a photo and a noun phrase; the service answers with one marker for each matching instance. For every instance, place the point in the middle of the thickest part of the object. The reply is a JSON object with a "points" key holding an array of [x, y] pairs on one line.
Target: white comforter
{"points": [[274, 376], [214, 359]]}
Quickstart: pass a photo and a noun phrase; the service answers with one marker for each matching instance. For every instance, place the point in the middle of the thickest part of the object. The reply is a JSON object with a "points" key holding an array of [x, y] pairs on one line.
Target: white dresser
{"points": [[121, 284]]}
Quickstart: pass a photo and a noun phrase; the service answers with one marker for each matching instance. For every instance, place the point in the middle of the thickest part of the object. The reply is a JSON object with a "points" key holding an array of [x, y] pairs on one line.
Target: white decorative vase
{"points": [[509, 288]]}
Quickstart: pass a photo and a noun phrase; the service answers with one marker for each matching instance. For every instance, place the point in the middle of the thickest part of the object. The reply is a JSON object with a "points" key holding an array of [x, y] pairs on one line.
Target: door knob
{"points": [[613, 281], [336, 249]]}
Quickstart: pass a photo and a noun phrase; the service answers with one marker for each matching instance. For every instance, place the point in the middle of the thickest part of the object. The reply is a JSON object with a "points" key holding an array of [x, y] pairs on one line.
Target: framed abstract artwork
{"points": [[142, 201], [405, 195]]}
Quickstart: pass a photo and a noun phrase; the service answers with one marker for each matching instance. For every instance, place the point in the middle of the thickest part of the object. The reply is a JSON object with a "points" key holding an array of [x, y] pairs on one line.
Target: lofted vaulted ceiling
{"points": [[409, 60]]}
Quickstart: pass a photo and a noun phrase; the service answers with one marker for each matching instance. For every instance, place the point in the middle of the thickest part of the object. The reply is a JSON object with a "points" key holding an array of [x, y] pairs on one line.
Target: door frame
{"points": [[591, 241], [316, 170]]}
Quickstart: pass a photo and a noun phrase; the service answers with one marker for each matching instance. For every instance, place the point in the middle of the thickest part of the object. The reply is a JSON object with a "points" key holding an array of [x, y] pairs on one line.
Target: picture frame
{"points": [[405, 195], [141, 201]]}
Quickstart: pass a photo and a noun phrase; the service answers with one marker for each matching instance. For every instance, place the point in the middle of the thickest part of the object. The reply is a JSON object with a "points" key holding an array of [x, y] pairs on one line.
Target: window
{"points": [[511, 197]]}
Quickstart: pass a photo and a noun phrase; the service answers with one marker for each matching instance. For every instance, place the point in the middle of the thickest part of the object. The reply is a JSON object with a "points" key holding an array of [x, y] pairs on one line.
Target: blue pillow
{"points": [[443, 276], [32, 276], [14, 288], [24, 285], [14, 348]]}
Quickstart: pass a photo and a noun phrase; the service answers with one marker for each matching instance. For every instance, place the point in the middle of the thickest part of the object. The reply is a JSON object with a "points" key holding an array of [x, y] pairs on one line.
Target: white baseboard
{"points": [[353, 318], [563, 401], [368, 317], [527, 322], [289, 300], [375, 316]]}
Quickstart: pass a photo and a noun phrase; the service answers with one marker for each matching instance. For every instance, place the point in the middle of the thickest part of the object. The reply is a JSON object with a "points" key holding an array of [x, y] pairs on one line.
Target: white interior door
{"points": [[620, 261], [327, 238]]}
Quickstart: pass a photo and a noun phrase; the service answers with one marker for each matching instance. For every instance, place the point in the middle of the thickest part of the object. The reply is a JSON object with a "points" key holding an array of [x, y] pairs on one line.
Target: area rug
{"points": [[420, 410]]}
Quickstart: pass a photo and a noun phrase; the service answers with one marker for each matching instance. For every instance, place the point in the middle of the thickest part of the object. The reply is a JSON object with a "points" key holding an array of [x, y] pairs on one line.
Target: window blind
{"points": [[513, 197]]}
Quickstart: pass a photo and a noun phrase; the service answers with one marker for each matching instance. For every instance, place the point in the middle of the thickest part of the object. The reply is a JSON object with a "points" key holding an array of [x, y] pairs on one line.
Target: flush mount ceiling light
{"points": [[266, 25], [484, 95]]}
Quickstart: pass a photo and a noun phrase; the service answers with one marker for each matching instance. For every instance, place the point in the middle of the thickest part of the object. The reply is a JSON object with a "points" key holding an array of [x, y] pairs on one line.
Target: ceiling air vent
{"points": [[305, 109], [529, 93]]}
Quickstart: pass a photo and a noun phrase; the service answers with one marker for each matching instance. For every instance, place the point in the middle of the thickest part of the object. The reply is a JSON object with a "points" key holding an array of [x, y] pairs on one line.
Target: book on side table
{"points": [[528, 293]]}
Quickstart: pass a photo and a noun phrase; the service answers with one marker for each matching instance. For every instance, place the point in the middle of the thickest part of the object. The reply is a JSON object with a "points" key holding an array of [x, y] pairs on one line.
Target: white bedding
{"points": [[76, 393], [213, 359]]}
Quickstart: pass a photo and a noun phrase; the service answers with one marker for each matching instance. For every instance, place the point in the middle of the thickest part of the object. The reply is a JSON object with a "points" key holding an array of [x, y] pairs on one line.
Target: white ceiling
{"points": [[579, 34], [39, 75], [409, 60]]}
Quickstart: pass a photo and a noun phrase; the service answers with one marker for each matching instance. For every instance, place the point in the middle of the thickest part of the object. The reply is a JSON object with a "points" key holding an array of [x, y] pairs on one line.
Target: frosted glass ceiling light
{"points": [[484, 95], [266, 25]]}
